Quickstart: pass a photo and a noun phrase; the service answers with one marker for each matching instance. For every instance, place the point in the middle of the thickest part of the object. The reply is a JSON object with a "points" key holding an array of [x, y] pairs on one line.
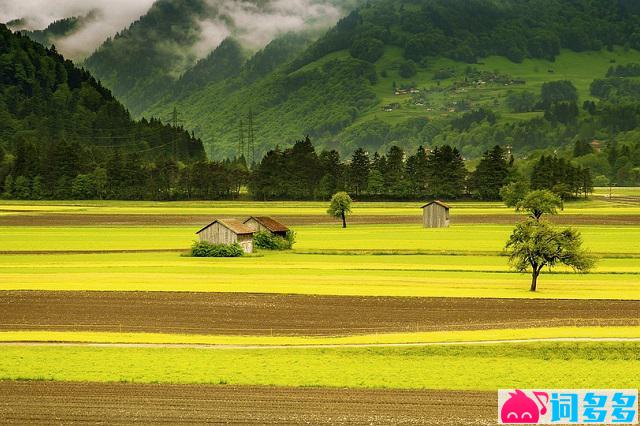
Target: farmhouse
{"points": [[228, 231], [260, 224], [435, 215]]}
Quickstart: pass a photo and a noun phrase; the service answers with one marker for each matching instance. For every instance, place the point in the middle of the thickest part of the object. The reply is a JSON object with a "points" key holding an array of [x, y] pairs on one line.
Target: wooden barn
{"points": [[228, 231], [435, 215], [259, 224]]}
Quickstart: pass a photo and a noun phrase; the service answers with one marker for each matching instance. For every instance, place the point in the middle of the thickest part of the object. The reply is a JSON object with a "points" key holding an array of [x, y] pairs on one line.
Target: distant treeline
{"points": [[300, 173]]}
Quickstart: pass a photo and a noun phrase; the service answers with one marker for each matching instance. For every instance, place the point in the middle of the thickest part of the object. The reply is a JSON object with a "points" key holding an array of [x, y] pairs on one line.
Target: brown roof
{"points": [[233, 225], [269, 223], [438, 202]]}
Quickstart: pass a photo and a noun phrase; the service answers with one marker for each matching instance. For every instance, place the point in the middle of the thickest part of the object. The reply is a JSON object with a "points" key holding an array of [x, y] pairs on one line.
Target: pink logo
{"points": [[519, 408]]}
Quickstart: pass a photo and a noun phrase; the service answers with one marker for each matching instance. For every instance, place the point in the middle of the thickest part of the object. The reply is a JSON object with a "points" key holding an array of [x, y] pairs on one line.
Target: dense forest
{"points": [[473, 29], [59, 126]]}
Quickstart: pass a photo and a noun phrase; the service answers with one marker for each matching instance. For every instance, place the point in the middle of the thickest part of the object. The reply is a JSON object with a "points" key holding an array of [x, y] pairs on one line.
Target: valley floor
{"points": [[104, 319]]}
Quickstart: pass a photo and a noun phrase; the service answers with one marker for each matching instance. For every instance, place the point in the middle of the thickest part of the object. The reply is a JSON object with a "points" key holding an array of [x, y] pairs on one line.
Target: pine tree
{"points": [[359, 171]]}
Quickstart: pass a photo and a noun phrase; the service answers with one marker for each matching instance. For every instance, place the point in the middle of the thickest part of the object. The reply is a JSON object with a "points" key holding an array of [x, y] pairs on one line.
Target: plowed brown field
{"points": [[65, 403], [263, 314]]}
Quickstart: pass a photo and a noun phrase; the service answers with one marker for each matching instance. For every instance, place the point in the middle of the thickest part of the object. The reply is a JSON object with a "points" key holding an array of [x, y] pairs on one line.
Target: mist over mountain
{"points": [[144, 59], [101, 20]]}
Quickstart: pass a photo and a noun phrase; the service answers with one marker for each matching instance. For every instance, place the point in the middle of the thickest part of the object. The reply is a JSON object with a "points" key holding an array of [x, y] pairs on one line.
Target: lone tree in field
{"points": [[340, 207], [514, 192], [536, 244], [540, 202]]}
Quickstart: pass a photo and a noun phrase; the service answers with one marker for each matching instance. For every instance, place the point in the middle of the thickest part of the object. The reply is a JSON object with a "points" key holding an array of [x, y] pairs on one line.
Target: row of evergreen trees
{"points": [[296, 173]]}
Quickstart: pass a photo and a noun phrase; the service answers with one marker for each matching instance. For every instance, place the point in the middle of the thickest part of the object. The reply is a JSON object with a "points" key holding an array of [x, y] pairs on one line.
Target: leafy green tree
{"points": [[558, 91], [534, 245], [8, 187], [84, 187], [101, 179], [22, 188], [37, 190], [408, 69], [540, 202], [340, 207], [521, 101], [514, 193], [367, 49]]}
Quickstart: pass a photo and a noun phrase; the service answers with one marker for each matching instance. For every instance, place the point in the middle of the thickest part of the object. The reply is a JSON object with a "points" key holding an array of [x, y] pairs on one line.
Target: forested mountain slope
{"points": [[143, 61], [467, 73], [58, 122]]}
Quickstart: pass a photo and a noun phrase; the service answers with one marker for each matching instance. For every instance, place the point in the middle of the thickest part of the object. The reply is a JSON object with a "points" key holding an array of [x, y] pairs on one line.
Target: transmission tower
{"points": [[241, 144], [251, 143], [175, 122]]}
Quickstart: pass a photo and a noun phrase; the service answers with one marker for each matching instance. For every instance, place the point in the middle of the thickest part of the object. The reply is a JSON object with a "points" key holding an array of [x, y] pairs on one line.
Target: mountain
{"points": [[464, 72], [57, 29], [139, 62], [57, 122], [423, 72], [142, 62]]}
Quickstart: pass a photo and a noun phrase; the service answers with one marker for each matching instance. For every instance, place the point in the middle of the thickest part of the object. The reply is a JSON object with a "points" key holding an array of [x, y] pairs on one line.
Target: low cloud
{"points": [[254, 23], [256, 26], [109, 18]]}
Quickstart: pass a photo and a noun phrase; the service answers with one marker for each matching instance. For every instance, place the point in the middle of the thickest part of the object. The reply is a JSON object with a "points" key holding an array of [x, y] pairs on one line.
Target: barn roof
{"points": [[233, 225], [269, 223], [438, 202]]}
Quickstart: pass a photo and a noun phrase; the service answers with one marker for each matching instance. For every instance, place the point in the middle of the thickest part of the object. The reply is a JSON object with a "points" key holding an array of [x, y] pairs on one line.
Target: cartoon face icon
{"points": [[520, 409]]}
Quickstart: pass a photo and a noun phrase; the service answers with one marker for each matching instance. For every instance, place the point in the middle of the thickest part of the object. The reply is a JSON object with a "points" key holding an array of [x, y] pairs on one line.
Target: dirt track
{"points": [[266, 314], [53, 219], [57, 402]]}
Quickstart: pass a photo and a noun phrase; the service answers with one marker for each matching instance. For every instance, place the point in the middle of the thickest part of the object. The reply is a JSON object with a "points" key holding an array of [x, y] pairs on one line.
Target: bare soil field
{"points": [[121, 403], [69, 219], [276, 314]]}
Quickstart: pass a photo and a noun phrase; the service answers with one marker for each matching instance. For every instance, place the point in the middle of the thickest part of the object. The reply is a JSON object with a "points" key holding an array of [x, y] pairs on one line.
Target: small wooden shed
{"points": [[435, 215], [264, 223], [228, 231]]}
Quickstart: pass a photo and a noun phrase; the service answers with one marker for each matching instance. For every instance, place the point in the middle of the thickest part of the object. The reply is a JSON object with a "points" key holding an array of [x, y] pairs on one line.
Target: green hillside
{"points": [[59, 127], [476, 70]]}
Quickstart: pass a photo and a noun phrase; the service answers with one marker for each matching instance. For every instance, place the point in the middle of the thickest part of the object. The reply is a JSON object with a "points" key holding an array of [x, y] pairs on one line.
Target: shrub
{"points": [[268, 241], [408, 69], [205, 249]]}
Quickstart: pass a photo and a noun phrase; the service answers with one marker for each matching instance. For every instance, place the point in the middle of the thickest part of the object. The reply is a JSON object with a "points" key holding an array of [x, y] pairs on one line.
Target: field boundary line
{"points": [[323, 346], [44, 252]]}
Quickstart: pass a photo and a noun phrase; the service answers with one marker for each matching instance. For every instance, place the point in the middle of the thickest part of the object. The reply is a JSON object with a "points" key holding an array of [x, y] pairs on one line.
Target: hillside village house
{"points": [[263, 223], [228, 231], [435, 215]]}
